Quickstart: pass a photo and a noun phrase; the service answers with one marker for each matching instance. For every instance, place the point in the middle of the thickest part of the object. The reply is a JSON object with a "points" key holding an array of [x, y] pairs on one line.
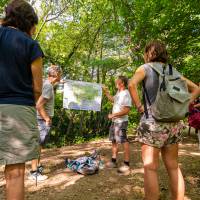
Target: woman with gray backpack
{"points": [[166, 98]]}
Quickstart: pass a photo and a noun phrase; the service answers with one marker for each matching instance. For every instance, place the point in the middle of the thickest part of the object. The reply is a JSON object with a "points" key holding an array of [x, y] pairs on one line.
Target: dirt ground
{"points": [[107, 184]]}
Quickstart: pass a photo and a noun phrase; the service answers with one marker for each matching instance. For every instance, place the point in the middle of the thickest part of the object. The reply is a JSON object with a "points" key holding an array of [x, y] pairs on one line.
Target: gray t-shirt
{"points": [[121, 99], [48, 93]]}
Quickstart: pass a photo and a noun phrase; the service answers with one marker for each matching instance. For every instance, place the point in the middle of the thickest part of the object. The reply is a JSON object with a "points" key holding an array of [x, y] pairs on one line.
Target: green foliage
{"points": [[2, 5], [77, 126], [96, 41]]}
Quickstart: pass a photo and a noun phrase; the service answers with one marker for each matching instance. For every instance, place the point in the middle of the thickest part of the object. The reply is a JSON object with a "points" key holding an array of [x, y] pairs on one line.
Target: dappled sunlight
{"points": [[2, 181], [127, 189], [137, 171], [138, 189], [195, 153], [65, 184], [192, 180], [187, 145], [61, 179], [187, 198], [116, 191], [136, 150], [58, 155], [187, 153], [112, 179]]}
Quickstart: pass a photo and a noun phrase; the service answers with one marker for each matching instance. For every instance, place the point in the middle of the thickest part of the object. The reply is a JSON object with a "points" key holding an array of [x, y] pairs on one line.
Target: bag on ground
{"points": [[86, 165]]}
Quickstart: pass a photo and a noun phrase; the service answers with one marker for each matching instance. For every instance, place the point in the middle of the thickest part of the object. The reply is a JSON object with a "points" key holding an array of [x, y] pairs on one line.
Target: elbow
{"points": [[198, 91], [132, 85], [37, 88], [37, 91], [38, 107]]}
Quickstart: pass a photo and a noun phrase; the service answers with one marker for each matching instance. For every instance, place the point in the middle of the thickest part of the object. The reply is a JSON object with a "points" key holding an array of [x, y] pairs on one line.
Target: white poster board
{"points": [[80, 95]]}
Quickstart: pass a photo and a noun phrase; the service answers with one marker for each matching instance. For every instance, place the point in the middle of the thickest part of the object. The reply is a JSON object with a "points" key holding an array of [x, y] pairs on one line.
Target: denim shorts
{"points": [[117, 133], [44, 131]]}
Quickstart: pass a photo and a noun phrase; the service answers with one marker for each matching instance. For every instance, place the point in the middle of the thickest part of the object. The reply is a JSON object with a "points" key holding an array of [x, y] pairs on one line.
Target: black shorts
{"points": [[117, 133]]}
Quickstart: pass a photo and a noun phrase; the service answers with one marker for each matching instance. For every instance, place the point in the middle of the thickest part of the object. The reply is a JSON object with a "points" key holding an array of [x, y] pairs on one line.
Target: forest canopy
{"points": [[96, 41]]}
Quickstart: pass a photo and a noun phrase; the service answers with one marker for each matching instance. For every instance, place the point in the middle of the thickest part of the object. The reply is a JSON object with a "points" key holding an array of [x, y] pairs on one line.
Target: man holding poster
{"points": [[121, 107]]}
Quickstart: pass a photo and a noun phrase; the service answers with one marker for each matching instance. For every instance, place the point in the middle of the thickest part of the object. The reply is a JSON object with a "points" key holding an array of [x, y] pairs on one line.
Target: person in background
{"points": [[194, 115], [154, 136], [121, 107], [196, 98], [20, 88], [45, 112]]}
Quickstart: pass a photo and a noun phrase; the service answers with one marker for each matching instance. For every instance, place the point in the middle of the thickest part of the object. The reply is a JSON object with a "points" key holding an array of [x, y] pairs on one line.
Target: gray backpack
{"points": [[172, 99]]}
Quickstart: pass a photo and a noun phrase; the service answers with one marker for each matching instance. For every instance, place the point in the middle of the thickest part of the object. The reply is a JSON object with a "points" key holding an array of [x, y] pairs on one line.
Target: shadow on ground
{"points": [[107, 184]]}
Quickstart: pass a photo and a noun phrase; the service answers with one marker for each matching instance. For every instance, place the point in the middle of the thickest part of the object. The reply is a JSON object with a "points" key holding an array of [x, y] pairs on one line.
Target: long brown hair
{"points": [[155, 51]]}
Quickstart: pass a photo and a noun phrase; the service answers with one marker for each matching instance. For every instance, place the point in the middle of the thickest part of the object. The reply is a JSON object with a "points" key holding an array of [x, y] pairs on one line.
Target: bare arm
{"points": [[193, 89], [40, 108], [133, 84], [107, 93], [197, 105], [36, 68], [196, 93], [125, 110]]}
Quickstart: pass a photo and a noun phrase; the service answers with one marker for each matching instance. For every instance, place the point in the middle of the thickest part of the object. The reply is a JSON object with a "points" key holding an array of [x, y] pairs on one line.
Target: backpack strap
{"points": [[162, 86], [163, 83], [170, 69], [156, 69], [145, 95], [162, 74]]}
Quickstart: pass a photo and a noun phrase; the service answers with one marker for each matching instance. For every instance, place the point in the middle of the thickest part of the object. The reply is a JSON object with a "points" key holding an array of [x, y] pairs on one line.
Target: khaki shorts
{"points": [[19, 134]]}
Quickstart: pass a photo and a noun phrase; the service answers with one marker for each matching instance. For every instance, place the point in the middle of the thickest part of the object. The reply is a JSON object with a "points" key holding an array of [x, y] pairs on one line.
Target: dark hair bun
{"points": [[21, 15]]}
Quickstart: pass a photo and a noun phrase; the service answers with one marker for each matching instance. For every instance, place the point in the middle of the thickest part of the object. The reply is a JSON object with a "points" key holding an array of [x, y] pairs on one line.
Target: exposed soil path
{"points": [[107, 184]]}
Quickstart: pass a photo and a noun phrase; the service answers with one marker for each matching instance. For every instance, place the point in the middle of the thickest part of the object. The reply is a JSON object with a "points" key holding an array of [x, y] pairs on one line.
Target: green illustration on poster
{"points": [[80, 95]]}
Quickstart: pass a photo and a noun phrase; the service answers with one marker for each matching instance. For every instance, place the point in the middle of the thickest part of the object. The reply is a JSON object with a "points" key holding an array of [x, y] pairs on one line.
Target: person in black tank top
{"points": [[21, 85], [158, 137]]}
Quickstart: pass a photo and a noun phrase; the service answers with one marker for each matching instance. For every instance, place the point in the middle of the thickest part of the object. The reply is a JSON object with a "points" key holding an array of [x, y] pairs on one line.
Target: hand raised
{"points": [[105, 89]]}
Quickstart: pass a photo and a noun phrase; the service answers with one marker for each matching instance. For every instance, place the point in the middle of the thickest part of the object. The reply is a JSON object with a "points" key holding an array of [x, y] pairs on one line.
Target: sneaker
{"points": [[111, 165], [124, 169], [37, 176], [40, 169]]}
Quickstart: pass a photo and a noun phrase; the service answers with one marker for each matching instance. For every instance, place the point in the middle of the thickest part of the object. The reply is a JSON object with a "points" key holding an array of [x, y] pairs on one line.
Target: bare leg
{"points": [[114, 150], [199, 138], [126, 151], [14, 175], [189, 130], [150, 157], [170, 158], [35, 163]]}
